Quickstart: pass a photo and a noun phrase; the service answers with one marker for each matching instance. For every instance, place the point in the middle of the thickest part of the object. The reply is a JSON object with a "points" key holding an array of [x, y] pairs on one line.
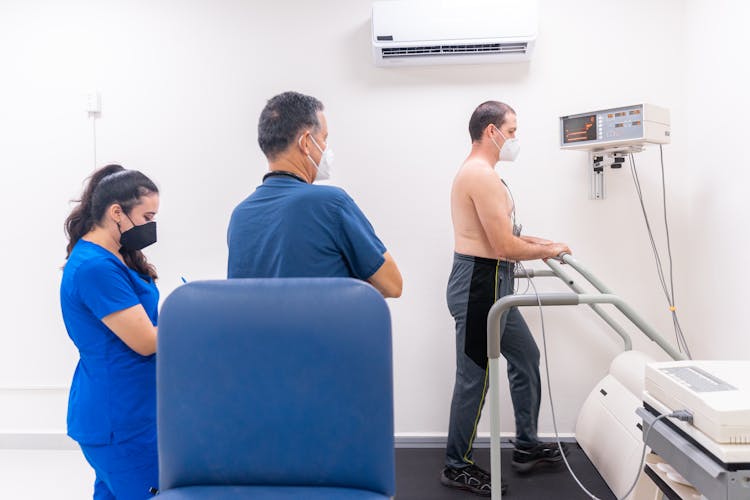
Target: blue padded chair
{"points": [[275, 389]]}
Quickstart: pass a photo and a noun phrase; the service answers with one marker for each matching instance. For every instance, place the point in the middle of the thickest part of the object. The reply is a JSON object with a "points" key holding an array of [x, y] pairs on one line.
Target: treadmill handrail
{"points": [[494, 333], [556, 272], [645, 327], [494, 336], [572, 262]]}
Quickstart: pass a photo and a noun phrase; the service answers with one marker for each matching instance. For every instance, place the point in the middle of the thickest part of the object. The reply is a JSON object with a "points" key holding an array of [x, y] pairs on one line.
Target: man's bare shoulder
{"points": [[477, 173]]}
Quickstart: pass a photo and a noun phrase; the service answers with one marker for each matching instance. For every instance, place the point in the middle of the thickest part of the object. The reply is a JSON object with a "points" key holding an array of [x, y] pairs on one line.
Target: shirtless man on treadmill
{"points": [[487, 243]]}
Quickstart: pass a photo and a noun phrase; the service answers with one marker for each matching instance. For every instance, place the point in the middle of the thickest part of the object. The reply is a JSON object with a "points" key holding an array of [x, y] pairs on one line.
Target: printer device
{"points": [[717, 393]]}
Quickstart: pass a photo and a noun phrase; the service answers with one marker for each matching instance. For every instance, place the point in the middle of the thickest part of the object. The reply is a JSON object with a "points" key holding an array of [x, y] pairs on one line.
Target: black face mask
{"points": [[138, 237]]}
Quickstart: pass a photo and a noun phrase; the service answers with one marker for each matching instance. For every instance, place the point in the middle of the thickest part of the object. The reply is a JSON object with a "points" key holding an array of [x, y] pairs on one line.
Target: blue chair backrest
{"points": [[276, 382]]}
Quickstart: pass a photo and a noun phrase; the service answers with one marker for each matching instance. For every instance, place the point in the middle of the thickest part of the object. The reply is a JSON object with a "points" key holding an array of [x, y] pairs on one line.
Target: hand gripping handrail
{"points": [[494, 337]]}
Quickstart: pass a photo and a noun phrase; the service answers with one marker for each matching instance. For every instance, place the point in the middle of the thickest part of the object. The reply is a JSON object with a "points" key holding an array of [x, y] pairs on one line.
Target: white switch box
{"points": [[94, 103]]}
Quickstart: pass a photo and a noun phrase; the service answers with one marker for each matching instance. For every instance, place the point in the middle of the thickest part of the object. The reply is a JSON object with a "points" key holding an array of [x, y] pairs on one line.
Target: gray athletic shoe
{"points": [[525, 459], [470, 478]]}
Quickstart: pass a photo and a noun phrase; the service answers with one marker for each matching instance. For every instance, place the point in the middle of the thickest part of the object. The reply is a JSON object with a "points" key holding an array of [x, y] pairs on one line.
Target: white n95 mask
{"points": [[511, 148], [326, 161]]}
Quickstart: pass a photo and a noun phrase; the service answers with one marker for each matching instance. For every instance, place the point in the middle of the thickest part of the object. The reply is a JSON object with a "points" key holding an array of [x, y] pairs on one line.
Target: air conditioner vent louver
{"points": [[450, 50]]}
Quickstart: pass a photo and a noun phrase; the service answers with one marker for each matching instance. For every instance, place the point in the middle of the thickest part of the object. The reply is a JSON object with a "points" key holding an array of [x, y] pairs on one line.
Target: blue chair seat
{"points": [[268, 493]]}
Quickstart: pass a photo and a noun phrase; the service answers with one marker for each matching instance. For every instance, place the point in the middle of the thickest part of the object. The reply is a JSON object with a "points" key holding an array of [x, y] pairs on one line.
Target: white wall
{"points": [[182, 86], [717, 237]]}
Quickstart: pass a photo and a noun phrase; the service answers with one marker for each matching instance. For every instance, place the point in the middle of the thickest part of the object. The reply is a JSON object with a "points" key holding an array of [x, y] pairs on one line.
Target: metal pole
{"points": [[494, 335], [535, 273], [496, 488], [557, 268], [505, 303], [624, 308], [568, 259]]}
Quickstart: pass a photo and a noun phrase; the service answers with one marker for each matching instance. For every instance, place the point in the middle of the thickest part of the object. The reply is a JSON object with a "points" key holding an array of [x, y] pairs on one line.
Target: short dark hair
{"points": [[282, 119], [490, 112]]}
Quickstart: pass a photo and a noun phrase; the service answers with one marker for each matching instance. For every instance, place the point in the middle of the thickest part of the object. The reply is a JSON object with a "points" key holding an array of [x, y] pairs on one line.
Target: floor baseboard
{"points": [[36, 441], [482, 441], [60, 441]]}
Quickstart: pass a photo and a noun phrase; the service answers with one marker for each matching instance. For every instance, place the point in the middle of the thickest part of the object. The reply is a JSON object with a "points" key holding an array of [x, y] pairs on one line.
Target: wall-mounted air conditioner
{"points": [[453, 31]]}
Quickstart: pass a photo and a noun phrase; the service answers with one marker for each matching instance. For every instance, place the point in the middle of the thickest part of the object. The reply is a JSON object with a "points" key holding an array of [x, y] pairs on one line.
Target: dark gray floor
{"points": [[418, 477]]}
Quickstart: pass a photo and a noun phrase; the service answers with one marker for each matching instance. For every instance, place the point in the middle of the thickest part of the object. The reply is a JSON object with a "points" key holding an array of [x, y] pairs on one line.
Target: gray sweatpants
{"points": [[474, 285]]}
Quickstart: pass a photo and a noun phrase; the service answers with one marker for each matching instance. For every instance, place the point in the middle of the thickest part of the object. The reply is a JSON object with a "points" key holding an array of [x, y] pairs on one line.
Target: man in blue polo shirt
{"points": [[289, 227]]}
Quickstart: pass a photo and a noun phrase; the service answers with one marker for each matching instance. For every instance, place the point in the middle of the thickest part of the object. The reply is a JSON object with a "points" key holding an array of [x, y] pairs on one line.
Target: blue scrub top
{"points": [[289, 228], [113, 393]]}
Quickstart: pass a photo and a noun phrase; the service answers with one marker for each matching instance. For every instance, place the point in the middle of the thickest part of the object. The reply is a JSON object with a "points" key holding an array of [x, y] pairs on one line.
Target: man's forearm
{"points": [[518, 249], [534, 239]]}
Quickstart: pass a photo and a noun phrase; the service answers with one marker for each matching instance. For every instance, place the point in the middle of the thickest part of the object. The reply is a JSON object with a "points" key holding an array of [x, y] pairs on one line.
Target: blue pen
{"points": [[183, 279]]}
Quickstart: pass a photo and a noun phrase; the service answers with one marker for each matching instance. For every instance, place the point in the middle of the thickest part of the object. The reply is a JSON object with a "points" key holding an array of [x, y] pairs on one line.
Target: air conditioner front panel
{"points": [[453, 31], [418, 21]]}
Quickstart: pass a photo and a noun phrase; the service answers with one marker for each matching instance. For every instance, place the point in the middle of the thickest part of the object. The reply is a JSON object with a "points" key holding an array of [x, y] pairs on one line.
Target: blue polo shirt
{"points": [[113, 393], [289, 228]]}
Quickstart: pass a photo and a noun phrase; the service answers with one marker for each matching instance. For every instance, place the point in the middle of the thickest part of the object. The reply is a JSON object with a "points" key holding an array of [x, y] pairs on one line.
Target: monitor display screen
{"points": [[579, 128]]}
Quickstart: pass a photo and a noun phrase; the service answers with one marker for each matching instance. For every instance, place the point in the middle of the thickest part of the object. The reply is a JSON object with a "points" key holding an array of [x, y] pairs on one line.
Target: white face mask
{"points": [[510, 149], [326, 161]]}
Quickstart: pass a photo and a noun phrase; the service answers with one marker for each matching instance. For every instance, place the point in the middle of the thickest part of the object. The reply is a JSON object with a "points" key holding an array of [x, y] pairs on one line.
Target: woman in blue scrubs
{"points": [[109, 303]]}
